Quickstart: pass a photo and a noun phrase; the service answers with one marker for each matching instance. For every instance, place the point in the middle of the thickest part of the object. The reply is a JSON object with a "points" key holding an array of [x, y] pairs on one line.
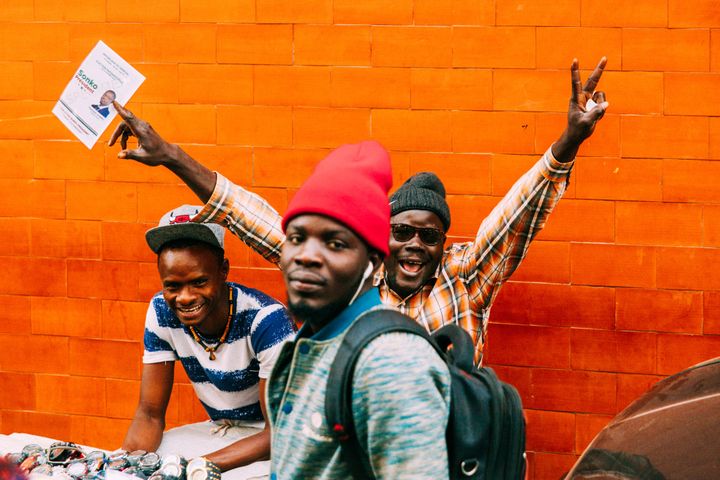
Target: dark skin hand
{"points": [[153, 150], [581, 121]]}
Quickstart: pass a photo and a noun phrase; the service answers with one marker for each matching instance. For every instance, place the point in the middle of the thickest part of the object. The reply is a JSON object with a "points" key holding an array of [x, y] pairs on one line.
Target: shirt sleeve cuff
{"points": [[158, 357], [554, 170], [213, 211]]}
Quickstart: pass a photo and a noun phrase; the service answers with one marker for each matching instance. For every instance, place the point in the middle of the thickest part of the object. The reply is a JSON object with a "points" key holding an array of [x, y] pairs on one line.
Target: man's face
{"points": [[107, 98], [193, 283], [412, 262], [322, 263]]}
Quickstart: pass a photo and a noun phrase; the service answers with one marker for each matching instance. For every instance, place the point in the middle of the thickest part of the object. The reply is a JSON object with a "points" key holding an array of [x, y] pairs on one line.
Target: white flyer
{"points": [[85, 106]]}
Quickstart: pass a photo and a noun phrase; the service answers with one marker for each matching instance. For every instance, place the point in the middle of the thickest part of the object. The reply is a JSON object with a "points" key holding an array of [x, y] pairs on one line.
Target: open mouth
{"points": [[411, 266], [189, 312]]}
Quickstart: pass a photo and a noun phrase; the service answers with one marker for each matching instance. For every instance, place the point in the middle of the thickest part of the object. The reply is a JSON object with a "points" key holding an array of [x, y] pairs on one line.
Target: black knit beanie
{"points": [[422, 191]]}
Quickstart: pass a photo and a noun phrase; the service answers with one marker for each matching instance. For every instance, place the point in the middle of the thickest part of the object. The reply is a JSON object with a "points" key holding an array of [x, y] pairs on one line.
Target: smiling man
{"points": [[337, 228], [227, 337], [426, 280]]}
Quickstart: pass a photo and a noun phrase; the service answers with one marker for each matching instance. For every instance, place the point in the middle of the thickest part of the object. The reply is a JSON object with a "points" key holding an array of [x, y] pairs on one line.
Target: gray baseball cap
{"points": [[178, 224]]}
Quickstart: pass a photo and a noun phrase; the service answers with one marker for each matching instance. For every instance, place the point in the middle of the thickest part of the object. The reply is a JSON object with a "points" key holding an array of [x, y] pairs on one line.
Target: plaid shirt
{"points": [[469, 275]]}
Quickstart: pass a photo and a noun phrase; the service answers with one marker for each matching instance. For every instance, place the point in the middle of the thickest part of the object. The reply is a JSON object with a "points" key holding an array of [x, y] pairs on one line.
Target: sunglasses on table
{"points": [[402, 232]]}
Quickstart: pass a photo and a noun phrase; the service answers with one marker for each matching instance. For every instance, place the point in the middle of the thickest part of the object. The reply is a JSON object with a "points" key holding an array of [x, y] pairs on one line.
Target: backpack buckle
{"points": [[469, 467]]}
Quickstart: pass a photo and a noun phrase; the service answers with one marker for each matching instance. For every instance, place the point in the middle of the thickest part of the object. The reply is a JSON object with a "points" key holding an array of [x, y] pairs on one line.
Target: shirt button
{"points": [[304, 348], [273, 476], [287, 408]]}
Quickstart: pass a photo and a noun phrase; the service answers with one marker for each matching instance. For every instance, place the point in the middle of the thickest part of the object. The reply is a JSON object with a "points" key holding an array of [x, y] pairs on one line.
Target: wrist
{"points": [[565, 148]]}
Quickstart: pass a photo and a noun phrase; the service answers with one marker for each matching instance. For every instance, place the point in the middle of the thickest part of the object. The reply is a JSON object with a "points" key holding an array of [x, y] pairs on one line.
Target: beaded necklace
{"points": [[212, 349]]}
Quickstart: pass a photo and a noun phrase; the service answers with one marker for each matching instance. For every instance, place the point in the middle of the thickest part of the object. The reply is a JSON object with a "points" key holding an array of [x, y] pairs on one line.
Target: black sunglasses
{"points": [[402, 232]]}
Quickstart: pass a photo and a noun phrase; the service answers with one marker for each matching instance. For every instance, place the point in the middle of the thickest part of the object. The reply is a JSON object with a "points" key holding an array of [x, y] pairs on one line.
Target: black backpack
{"points": [[486, 429]]}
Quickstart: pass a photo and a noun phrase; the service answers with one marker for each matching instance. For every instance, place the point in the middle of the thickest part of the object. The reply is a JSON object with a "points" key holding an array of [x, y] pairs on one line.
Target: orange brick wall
{"points": [[619, 290]]}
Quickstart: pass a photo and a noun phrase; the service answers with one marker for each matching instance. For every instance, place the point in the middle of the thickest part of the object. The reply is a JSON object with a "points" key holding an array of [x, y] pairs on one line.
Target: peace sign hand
{"points": [[587, 106]]}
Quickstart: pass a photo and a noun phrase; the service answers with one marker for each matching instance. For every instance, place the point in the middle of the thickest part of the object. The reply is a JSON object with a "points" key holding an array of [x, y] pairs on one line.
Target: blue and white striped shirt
{"points": [[227, 386]]}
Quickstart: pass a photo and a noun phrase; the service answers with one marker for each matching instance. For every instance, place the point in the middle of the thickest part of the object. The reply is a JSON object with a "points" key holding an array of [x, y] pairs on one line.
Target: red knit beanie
{"points": [[351, 186]]}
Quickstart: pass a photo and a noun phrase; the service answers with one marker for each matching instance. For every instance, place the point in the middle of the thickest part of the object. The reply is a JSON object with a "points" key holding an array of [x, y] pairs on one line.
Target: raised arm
{"points": [[148, 424]]}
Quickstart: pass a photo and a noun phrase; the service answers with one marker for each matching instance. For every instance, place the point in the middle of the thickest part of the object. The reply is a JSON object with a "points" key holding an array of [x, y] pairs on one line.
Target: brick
{"points": [[550, 431], [16, 236], [507, 169], [161, 84], [255, 44], [126, 39], [170, 43], [105, 358], [374, 12], [714, 137], [668, 224], [35, 423], [555, 305], [217, 11], [325, 127], [681, 93], [23, 120], [519, 346], [189, 408], [612, 265], [122, 397], [460, 173], [581, 221], [587, 427], [71, 317], [454, 12], [18, 158], [16, 314], [67, 160], [47, 10], [690, 181], [493, 47], [468, 212], [231, 84], [139, 11], [711, 226], [16, 80], [66, 394], [173, 121], [518, 377], [126, 241], [545, 262], [656, 137], [551, 465], [412, 130], [17, 391], [284, 168], [278, 11], [37, 198], [633, 92], [267, 280], [106, 280], [125, 170], [123, 320], [154, 201], [370, 87], [714, 50], [700, 13], [584, 392], [49, 78], [618, 13], [34, 276], [711, 310], [603, 351], [678, 352], [466, 89], [557, 46], [536, 12], [149, 283], [233, 162], [283, 85], [30, 41], [49, 354], [660, 310], [21, 10], [529, 90], [665, 50], [412, 46], [496, 132], [604, 142], [332, 45], [618, 179], [630, 387], [687, 268], [106, 201], [60, 238], [105, 433], [256, 126]]}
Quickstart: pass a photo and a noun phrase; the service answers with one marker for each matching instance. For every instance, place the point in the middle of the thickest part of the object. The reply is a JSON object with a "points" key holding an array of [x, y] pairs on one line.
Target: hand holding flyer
{"points": [[85, 106]]}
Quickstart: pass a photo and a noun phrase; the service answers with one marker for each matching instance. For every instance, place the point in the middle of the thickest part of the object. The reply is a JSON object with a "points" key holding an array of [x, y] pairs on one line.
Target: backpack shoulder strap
{"points": [[338, 399]]}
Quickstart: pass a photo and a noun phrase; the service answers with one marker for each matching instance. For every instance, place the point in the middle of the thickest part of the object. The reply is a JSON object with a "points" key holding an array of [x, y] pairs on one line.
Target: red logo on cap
{"points": [[180, 219]]}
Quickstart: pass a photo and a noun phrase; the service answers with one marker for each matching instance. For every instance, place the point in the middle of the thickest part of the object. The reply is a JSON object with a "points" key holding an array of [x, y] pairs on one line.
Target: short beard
{"points": [[316, 317]]}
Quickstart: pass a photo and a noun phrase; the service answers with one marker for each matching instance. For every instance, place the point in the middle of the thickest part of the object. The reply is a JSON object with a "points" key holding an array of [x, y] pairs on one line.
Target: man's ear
{"points": [[376, 260], [225, 269]]}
